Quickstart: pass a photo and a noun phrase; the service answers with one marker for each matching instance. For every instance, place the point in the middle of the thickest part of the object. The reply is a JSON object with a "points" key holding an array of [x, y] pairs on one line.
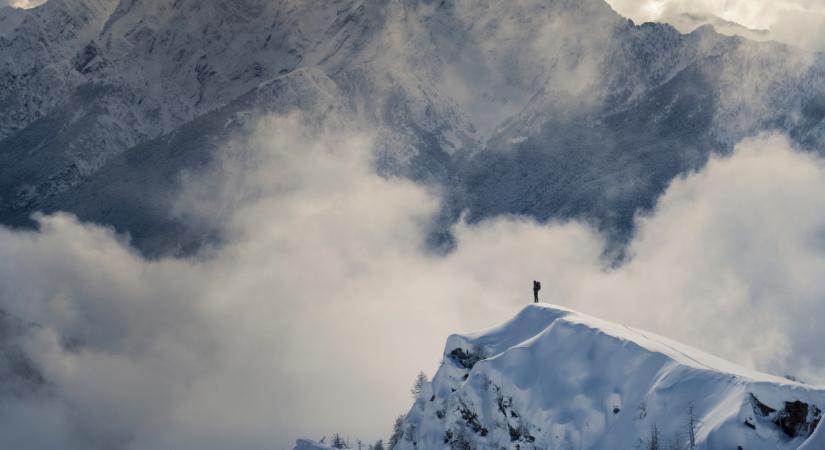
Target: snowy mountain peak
{"points": [[554, 378], [548, 108]]}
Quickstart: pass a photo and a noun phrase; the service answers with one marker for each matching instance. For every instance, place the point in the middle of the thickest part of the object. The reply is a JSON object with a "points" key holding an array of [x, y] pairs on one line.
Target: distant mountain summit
{"points": [[551, 109], [688, 22], [551, 378]]}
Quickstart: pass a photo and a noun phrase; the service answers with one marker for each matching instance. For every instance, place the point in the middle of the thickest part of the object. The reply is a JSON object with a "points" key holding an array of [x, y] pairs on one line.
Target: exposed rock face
{"points": [[796, 418], [465, 358]]}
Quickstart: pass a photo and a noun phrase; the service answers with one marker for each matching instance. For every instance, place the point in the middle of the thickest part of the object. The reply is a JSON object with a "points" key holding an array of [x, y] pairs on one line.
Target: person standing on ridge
{"points": [[536, 289]]}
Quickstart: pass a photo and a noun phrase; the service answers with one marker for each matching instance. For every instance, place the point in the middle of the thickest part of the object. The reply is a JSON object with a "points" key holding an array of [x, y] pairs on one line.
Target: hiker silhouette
{"points": [[536, 289]]}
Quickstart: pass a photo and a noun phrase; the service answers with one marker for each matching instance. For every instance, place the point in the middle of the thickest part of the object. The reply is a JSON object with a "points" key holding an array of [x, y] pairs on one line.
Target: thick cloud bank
{"points": [[319, 311]]}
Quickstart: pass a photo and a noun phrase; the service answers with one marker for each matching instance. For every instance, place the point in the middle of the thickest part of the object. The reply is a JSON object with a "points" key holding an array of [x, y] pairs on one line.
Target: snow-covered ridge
{"points": [[552, 378]]}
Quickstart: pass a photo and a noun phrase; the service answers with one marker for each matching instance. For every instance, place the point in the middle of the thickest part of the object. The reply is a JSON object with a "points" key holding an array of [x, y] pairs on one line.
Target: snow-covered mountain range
{"points": [[549, 108], [553, 109], [552, 378]]}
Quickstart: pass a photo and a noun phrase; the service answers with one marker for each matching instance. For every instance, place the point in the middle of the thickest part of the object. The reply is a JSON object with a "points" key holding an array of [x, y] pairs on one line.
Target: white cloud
{"points": [[314, 319], [26, 4], [731, 260], [796, 22], [324, 305]]}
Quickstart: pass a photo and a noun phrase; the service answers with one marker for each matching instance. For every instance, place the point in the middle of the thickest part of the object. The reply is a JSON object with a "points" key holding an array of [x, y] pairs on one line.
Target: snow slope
{"points": [[555, 379]]}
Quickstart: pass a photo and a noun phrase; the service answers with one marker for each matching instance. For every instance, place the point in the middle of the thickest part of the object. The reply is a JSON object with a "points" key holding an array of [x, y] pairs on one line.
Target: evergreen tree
{"points": [[652, 443], [338, 442], [420, 379], [654, 437], [397, 431], [691, 428]]}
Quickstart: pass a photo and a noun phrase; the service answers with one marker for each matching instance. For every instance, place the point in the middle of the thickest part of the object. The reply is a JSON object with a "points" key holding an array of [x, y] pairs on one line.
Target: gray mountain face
{"points": [[547, 108]]}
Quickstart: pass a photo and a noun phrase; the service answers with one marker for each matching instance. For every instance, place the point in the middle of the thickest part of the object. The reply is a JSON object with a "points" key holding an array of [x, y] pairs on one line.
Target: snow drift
{"points": [[552, 378]]}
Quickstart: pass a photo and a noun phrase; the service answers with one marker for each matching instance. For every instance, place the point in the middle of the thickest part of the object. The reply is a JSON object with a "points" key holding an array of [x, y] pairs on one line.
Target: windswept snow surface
{"points": [[552, 378]]}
